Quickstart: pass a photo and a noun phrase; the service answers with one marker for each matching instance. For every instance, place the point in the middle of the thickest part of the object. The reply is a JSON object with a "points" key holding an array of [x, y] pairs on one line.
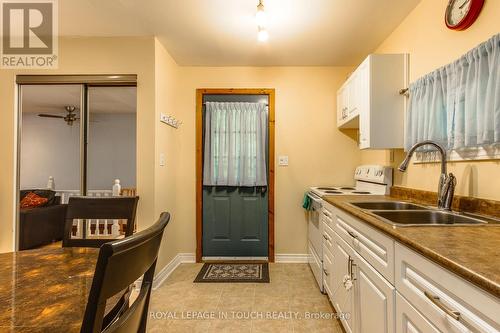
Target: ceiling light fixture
{"points": [[261, 15], [261, 19], [263, 35]]}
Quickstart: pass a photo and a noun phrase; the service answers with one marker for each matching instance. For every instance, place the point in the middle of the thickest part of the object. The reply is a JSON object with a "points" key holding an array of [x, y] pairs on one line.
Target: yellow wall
{"points": [[424, 35], [305, 124], [87, 56], [166, 199], [305, 131]]}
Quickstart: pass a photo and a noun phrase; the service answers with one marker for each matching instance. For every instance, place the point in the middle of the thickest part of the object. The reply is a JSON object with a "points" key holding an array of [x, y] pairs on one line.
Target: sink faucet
{"points": [[447, 183]]}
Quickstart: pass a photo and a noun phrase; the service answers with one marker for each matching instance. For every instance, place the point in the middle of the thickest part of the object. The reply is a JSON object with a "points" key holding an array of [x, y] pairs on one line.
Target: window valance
{"points": [[458, 105]]}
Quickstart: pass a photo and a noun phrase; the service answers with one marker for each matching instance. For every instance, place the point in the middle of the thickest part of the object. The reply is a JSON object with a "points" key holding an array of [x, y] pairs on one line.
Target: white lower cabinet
{"points": [[374, 299], [409, 320], [372, 245], [369, 303], [424, 296], [327, 271], [447, 301], [342, 297]]}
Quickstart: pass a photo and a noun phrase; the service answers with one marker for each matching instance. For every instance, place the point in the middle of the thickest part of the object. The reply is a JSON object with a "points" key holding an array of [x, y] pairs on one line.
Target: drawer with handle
{"points": [[328, 237], [328, 271], [327, 214], [446, 300], [409, 320], [372, 245]]}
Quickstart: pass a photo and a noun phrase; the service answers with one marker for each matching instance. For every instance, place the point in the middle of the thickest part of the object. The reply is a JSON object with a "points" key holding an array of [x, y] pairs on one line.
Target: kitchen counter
{"points": [[471, 252]]}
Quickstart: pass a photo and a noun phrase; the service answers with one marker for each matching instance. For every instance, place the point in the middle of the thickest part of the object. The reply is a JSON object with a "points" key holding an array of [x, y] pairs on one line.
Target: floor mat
{"points": [[229, 272]]}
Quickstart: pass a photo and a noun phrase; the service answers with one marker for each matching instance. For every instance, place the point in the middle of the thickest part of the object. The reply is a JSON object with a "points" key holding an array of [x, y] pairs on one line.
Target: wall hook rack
{"points": [[170, 120]]}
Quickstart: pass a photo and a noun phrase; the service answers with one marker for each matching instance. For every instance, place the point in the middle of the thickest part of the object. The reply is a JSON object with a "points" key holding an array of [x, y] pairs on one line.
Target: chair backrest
{"points": [[128, 192], [119, 265], [89, 208]]}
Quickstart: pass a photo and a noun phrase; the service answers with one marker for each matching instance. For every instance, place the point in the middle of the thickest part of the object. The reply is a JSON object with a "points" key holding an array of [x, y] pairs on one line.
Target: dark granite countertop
{"points": [[471, 252], [45, 290]]}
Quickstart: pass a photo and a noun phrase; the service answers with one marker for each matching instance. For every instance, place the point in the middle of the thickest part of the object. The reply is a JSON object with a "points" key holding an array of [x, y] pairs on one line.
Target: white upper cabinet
{"points": [[370, 101]]}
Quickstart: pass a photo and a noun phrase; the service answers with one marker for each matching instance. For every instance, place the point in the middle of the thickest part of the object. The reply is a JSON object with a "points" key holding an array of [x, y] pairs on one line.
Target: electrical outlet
{"points": [[283, 160]]}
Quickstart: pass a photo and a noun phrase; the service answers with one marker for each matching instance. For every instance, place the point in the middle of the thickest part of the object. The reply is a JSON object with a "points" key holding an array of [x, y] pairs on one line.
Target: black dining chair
{"points": [[119, 265], [91, 208]]}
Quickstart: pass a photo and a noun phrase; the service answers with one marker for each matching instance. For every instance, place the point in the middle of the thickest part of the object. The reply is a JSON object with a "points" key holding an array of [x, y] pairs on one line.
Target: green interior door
{"points": [[235, 219]]}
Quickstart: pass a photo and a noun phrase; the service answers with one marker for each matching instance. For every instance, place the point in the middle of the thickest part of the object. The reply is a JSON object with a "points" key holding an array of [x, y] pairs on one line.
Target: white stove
{"points": [[369, 180]]}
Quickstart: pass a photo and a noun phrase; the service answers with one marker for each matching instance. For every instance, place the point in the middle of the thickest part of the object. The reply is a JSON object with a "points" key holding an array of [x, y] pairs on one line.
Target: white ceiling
{"points": [[53, 98], [223, 32]]}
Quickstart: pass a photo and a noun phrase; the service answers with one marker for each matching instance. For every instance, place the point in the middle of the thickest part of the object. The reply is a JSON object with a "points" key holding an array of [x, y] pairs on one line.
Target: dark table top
{"points": [[45, 290]]}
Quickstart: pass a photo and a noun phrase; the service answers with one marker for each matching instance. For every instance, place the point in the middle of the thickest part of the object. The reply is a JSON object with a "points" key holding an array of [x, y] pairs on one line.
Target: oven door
{"points": [[314, 224], [315, 234]]}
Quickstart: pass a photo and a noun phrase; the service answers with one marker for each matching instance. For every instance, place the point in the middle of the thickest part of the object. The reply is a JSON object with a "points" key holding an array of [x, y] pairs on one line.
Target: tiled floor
{"points": [[279, 306]]}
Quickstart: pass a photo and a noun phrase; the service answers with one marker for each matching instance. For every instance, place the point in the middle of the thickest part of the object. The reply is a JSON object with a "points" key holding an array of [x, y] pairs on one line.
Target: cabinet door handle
{"points": [[350, 270], [352, 234], [437, 301], [325, 237], [326, 273]]}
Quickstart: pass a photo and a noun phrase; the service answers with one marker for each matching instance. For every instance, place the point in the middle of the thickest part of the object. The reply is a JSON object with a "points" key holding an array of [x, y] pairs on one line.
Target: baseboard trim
{"points": [[188, 258], [292, 258], [234, 258], [180, 258]]}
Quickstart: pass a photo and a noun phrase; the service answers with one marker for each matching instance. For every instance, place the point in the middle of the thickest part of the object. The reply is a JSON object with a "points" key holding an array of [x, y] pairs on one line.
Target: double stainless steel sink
{"points": [[387, 205], [400, 213]]}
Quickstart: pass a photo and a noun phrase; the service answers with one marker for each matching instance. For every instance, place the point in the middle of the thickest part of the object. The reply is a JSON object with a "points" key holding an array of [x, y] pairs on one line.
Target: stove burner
{"points": [[347, 188], [327, 188], [361, 192], [333, 192]]}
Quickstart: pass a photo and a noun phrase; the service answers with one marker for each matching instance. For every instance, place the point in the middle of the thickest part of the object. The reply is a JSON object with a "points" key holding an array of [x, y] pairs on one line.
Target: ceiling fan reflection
{"points": [[69, 118]]}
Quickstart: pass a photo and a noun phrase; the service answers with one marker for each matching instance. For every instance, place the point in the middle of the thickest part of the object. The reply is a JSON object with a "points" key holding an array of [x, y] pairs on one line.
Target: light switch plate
{"points": [[162, 159], [283, 160]]}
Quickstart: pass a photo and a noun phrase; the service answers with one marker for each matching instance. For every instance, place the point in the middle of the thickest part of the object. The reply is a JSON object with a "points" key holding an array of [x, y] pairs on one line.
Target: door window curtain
{"points": [[235, 144], [458, 105]]}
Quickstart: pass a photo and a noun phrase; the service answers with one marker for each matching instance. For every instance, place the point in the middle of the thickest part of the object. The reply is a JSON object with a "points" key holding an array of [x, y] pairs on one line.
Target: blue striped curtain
{"points": [[458, 105]]}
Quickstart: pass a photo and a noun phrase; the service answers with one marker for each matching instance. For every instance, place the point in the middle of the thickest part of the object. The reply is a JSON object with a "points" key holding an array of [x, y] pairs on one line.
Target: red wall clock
{"points": [[461, 14]]}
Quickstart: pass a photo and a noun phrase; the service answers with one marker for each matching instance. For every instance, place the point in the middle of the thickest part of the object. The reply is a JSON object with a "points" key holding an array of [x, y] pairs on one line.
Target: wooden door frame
{"points": [[199, 163]]}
